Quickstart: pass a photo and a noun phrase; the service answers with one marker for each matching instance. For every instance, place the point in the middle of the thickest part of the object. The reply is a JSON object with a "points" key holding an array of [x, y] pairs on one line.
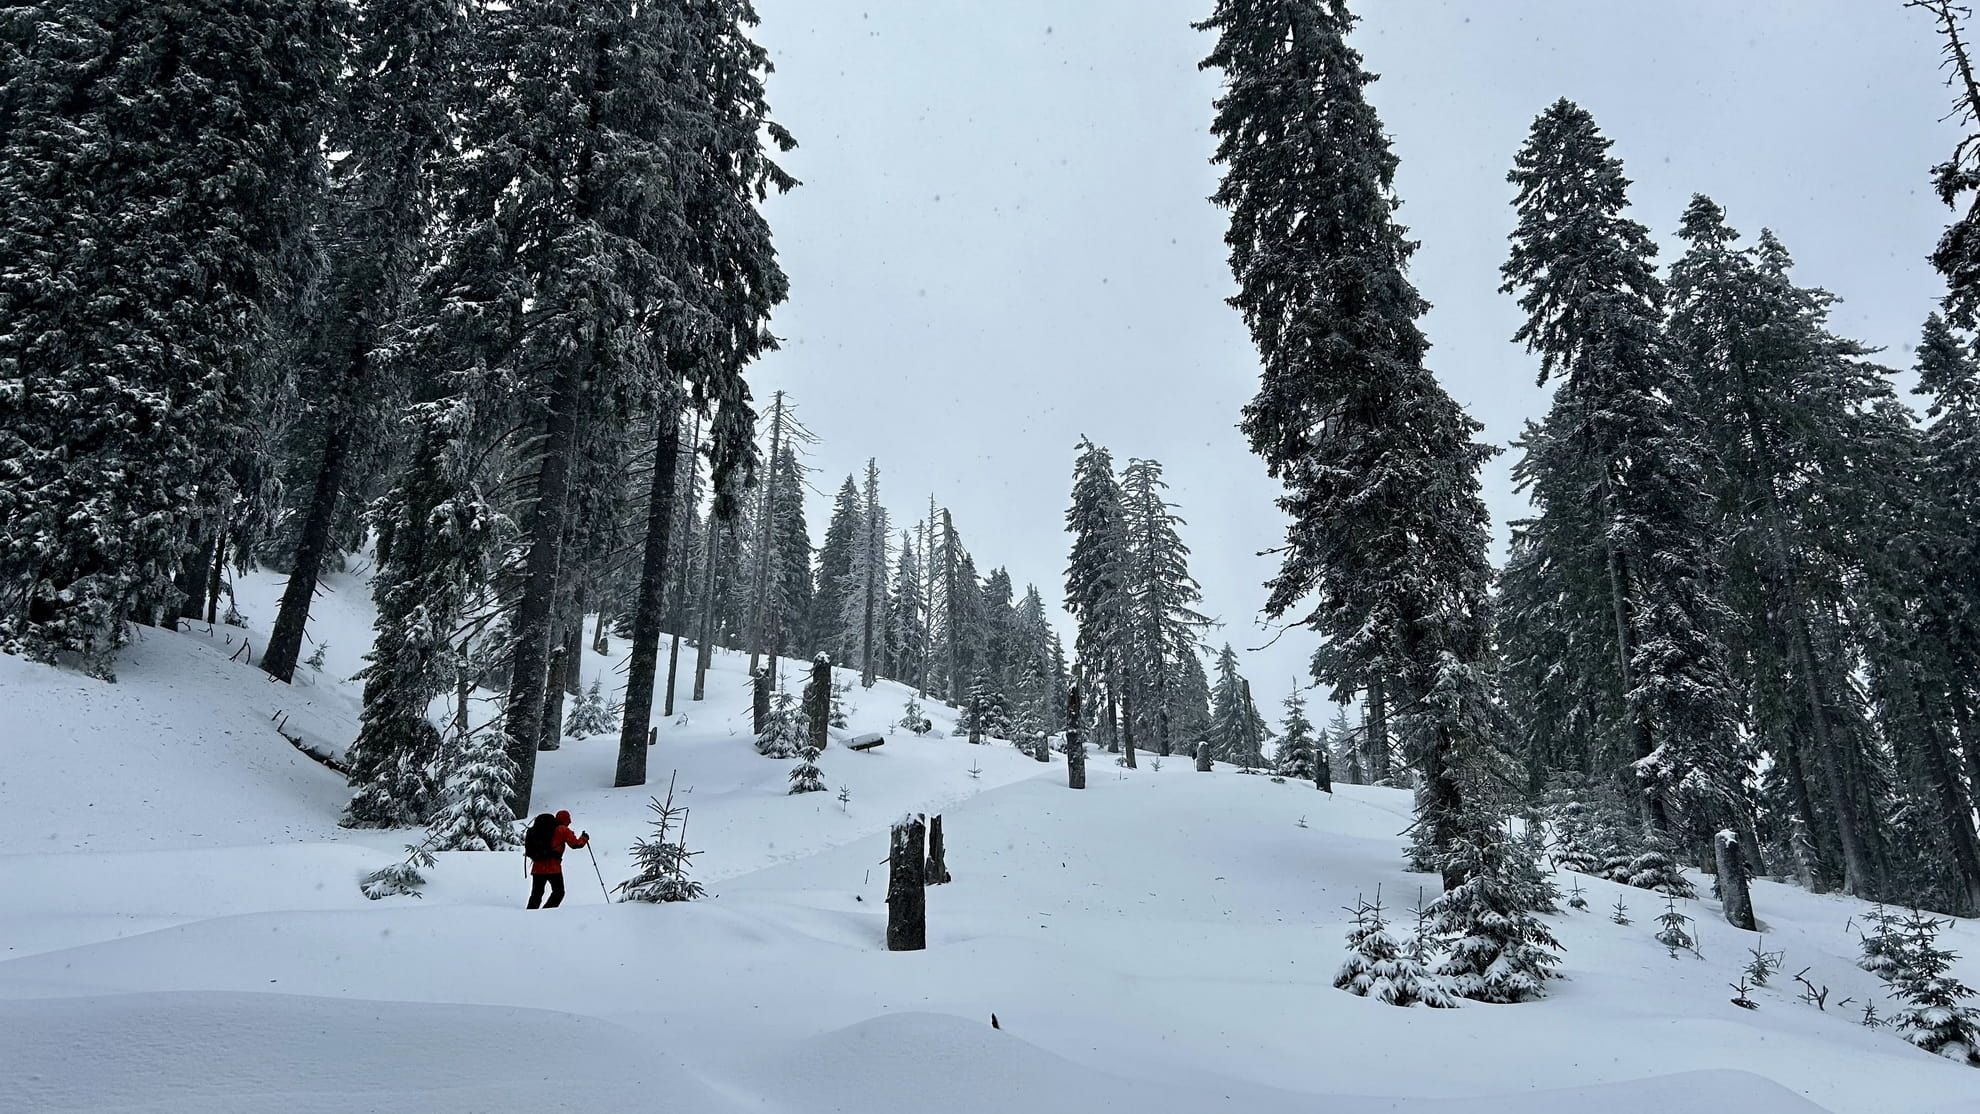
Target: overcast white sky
{"points": [[1002, 241]]}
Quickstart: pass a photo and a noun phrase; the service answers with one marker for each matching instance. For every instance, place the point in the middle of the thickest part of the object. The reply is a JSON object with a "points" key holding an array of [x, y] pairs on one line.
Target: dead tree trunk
{"points": [[1734, 894], [907, 901], [1075, 746], [759, 706], [1203, 757], [938, 865]]}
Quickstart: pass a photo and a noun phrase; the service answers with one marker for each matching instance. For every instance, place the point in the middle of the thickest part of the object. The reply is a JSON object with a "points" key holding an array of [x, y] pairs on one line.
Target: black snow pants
{"points": [[536, 884]]}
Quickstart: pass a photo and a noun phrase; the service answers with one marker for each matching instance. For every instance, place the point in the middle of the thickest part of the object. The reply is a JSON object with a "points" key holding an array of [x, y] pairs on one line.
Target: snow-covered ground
{"points": [[182, 930]]}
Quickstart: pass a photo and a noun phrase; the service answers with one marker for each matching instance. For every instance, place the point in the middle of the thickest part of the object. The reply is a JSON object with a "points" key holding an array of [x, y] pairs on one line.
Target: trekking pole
{"points": [[599, 873]]}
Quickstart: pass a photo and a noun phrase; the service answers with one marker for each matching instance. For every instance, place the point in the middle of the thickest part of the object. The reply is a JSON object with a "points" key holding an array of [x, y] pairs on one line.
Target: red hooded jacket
{"points": [[564, 838]]}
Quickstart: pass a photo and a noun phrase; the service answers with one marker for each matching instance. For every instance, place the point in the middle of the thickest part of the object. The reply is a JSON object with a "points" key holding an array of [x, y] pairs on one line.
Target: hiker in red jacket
{"points": [[544, 844]]}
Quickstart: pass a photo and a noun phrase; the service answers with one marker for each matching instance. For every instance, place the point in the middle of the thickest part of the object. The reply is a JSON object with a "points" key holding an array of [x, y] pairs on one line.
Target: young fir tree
{"points": [[1237, 731], [1615, 473], [476, 816], [1029, 713], [663, 858], [1377, 967], [159, 165], [806, 777], [590, 716], [1380, 465], [1299, 754], [1935, 1016], [786, 731], [1166, 624], [400, 879], [914, 718], [1500, 950]]}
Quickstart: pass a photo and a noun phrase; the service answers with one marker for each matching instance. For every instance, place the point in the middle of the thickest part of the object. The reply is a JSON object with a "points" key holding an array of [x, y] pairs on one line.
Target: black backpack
{"points": [[539, 842]]}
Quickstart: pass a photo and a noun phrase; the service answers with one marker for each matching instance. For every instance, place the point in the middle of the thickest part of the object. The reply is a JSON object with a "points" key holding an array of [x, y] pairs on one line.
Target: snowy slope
{"points": [[186, 934]]}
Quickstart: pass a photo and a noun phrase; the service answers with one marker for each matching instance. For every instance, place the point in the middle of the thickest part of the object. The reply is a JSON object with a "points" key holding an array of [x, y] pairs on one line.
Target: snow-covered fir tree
{"points": [[479, 785], [146, 297], [863, 607], [786, 731], [1377, 967], [1237, 731], [1294, 759], [662, 859], [1935, 1016], [914, 718], [1615, 471], [1499, 949], [835, 556], [806, 777], [590, 715], [1098, 579], [436, 536], [1380, 465], [1166, 627], [402, 67]]}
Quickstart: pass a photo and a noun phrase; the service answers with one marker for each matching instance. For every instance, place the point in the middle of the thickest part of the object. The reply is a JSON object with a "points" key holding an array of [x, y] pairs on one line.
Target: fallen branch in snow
{"points": [[281, 720]]}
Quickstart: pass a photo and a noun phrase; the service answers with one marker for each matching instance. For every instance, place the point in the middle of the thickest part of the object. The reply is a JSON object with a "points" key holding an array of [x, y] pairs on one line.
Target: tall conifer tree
{"points": [[1380, 465]]}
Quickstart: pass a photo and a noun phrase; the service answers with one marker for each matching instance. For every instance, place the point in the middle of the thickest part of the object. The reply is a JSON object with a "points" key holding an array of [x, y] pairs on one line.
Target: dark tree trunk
{"points": [[1323, 770], [1958, 815], [574, 647], [1127, 727], [1075, 746], [820, 709], [1734, 894], [285, 639], [217, 574], [600, 644], [938, 864], [1377, 740], [907, 899], [1205, 760], [705, 639], [759, 703], [553, 698], [645, 654], [191, 581], [530, 659]]}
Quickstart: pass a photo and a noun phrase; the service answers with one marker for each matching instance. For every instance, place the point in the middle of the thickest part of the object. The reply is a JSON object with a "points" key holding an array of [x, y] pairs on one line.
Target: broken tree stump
{"points": [[1734, 894], [759, 701], [937, 871], [1075, 746], [907, 903]]}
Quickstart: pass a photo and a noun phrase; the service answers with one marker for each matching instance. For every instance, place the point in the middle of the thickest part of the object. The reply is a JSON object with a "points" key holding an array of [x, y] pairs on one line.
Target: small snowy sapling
{"points": [[402, 877], [1673, 935], [1376, 967], [806, 777], [663, 860]]}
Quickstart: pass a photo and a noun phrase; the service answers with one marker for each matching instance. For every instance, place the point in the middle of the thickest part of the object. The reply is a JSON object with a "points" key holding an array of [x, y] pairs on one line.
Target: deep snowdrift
{"points": [[185, 933]]}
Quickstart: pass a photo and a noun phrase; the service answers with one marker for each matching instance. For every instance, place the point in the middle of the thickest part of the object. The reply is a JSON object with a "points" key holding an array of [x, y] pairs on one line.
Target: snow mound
{"points": [[219, 1053]]}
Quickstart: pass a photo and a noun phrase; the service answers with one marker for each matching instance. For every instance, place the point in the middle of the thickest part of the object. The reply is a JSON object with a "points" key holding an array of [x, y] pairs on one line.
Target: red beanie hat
{"points": [[563, 816]]}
